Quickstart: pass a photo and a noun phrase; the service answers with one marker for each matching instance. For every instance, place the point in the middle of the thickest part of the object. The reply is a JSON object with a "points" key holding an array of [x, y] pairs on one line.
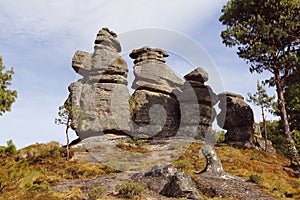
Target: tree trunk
{"points": [[68, 140], [265, 128], [293, 153]]}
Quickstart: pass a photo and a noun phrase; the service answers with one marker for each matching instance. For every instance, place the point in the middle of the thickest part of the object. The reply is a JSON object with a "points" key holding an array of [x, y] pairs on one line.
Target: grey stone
{"points": [[237, 118], [151, 72], [213, 162], [155, 114], [197, 114], [81, 62], [164, 170], [107, 39], [102, 96], [198, 75], [181, 186], [201, 94]]}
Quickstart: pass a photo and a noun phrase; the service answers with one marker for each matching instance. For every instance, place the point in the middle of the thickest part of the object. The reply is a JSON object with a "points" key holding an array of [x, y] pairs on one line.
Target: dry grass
{"points": [[271, 169], [30, 172]]}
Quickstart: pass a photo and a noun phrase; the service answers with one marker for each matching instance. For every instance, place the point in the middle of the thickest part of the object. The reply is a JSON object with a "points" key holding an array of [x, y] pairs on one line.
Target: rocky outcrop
{"points": [[154, 106], [237, 118], [196, 102], [215, 182], [100, 99], [167, 181]]}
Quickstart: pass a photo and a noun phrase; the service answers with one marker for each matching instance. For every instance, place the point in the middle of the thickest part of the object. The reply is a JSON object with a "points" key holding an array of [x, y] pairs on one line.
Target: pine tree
{"points": [[260, 98], [267, 34], [7, 96]]}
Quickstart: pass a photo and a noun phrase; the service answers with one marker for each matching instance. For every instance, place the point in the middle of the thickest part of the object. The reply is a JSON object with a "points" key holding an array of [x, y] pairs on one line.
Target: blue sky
{"points": [[39, 38]]}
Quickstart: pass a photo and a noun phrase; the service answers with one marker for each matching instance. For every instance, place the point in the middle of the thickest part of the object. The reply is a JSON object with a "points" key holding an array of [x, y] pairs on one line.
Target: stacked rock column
{"points": [[102, 94], [197, 111], [154, 106]]}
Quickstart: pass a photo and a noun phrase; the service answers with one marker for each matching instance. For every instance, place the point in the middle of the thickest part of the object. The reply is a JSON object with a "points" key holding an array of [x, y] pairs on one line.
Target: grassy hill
{"points": [[32, 172]]}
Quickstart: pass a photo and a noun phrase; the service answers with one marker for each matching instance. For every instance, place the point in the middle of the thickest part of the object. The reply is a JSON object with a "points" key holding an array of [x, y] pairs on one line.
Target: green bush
{"points": [[130, 190], [37, 187], [96, 192], [256, 179], [10, 149], [183, 165]]}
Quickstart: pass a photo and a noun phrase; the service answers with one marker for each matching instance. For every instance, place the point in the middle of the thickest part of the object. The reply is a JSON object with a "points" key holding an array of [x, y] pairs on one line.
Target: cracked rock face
{"points": [[101, 96], [196, 104], [166, 180], [237, 118]]}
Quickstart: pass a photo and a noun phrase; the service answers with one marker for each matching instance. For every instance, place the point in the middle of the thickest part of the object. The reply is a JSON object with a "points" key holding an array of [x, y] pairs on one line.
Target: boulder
{"points": [[166, 180], [81, 62], [151, 73], [181, 186], [237, 118], [198, 75]]}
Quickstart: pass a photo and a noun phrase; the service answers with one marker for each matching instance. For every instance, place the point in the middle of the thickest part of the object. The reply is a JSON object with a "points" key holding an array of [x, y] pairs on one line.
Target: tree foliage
{"points": [[69, 115], [261, 98], [267, 35], [7, 96]]}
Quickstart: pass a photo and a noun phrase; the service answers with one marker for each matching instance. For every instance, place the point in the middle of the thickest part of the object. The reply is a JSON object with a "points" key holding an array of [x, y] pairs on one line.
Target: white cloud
{"points": [[43, 19]]}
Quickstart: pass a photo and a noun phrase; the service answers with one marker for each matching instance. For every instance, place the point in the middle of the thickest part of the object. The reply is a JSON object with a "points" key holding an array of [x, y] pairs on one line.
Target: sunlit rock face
{"points": [[155, 108], [100, 98]]}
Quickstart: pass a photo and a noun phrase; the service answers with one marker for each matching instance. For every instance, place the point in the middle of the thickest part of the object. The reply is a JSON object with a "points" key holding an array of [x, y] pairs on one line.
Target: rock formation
{"points": [[197, 101], [236, 117], [166, 180], [154, 106], [101, 96]]}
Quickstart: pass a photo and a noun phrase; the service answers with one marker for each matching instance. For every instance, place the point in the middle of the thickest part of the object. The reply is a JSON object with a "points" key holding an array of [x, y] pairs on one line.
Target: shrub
{"points": [[10, 149], [96, 192], [36, 187], [256, 179], [183, 165], [130, 190]]}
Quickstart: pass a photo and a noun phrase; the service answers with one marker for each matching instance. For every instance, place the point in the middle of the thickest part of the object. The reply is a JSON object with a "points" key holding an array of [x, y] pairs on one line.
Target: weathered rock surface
{"points": [[151, 73], [180, 185], [154, 106], [81, 62], [198, 75], [102, 95], [196, 104], [236, 117], [165, 180], [123, 153]]}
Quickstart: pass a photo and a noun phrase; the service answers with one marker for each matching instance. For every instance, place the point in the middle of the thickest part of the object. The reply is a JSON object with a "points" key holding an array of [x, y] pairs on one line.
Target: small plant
{"points": [[220, 137], [256, 179], [254, 157], [10, 149], [96, 192], [183, 165], [130, 190], [37, 187]]}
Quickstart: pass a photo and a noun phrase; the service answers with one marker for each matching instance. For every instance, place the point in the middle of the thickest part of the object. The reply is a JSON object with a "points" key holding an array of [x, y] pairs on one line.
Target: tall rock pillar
{"points": [[100, 99], [154, 105]]}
